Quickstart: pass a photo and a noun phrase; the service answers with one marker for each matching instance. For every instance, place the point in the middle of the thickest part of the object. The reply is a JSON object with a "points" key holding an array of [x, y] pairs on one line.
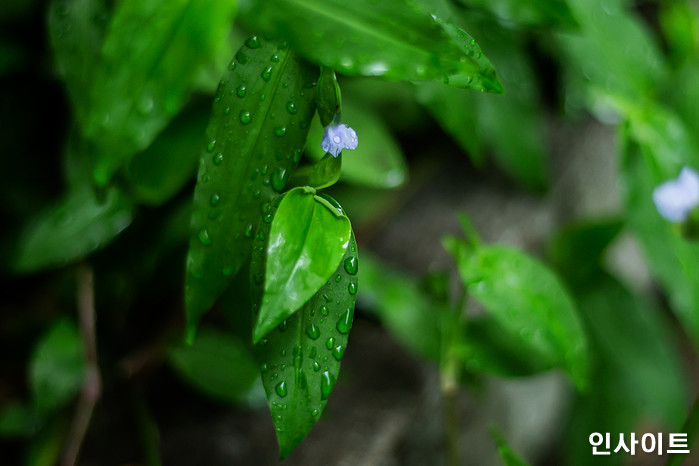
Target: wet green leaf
{"points": [[151, 53], [329, 96], [160, 171], [256, 136], [306, 242], [389, 38], [57, 368], [378, 160], [528, 300], [219, 365], [300, 359], [69, 230], [322, 174]]}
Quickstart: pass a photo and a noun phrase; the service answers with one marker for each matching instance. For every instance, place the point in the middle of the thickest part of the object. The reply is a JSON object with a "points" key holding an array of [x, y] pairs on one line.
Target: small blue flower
{"points": [[337, 138], [674, 199]]}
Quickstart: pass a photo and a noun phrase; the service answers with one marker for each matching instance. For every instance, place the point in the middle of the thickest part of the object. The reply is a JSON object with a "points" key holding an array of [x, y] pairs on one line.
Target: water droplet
{"points": [[338, 278], [227, 111], [241, 57], [231, 65], [280, 388], [214, 200], [352, 288], [211, 146], [249, 230], [218, 158], [253, 42], [351, 265], [338, 352], [274, 58], [330, 343], [291, 107], [324, 310], [327, 380], [327, 298], [204, 236], [267, 218], [228, 270], [282, 328], [266, 73], [313, 332], [316, 366], [279, 178], [245, 117], [280, 131], [345, 322], [263, 367], [241, 91], [259, 278]]}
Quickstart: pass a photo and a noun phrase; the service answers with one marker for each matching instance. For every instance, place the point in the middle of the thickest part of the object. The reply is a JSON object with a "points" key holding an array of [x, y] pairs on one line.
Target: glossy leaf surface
{"points": [[57, 367], [219, 365], [306, 242], [71, 229], [151, 52], [257, 132], [389, 38], [300, 359], [378, 160], [322, 174], [528, 300]]}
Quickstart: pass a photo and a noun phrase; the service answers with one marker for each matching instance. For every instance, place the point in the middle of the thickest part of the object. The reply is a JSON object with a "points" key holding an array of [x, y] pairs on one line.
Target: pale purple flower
{"points": [[337, 138], [674, 199]]}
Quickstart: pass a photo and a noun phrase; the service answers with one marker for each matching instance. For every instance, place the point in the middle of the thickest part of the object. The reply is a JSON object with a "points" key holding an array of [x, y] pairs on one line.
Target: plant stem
{"points": [[92, 385]]}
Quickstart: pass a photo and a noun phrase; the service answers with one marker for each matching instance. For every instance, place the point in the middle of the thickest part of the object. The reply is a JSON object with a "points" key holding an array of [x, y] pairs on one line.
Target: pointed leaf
{"points": [[508, 456], [300, 360], [257, 132], [390, 38], [529, 301], [151, 53], [71, 229], [319, 175], [307, 240]]}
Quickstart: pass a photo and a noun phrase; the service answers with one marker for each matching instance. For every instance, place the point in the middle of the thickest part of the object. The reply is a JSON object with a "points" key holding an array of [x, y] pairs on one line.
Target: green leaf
{"points": [[18, 420], [324, 173], [329, 96], [76, 30], [159, 172], [255, 143], [307, 239], [391, 38], [508, 456], [219, 365], [408, 314], [528, 13], [71, 229], [57, 368], [378, 160], [151, 53], [529, 301], [655, 148], [300, 359]]}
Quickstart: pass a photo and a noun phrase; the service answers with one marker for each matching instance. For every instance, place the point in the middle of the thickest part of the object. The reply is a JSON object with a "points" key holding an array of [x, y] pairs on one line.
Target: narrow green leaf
{"points": [[529, 301], [307, 239], [554, 13], [57, 368], [159, 172], [300, 359], [391, 38], [219, 365], [69, 230], [151, 53], [508, 456], [18, 420], [329, 96], [256, 136], [322, 174], [76, 30], [378, 160]]}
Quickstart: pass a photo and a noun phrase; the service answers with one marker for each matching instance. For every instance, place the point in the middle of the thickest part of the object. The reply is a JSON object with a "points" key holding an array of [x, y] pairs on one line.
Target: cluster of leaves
{"points": [[279, 258]]}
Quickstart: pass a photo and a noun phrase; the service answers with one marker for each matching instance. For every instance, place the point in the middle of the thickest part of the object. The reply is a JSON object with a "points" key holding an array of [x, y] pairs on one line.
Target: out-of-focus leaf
{"points": [[76, 29], [656, 147], [300, 359], [150, 56], [637, 372], [256, 136], [377, 162], [528, 300], [329, 96], [407, 313], [219, 365], [391, 38], [11, 57], [71, 229], [680, 26], [554, 13], [306, 242], [57, 368], [576, 250], [612, 52], [160, 171], [683, 93], [46, 447], [18, 420], [322, 174], [508, 456]]}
